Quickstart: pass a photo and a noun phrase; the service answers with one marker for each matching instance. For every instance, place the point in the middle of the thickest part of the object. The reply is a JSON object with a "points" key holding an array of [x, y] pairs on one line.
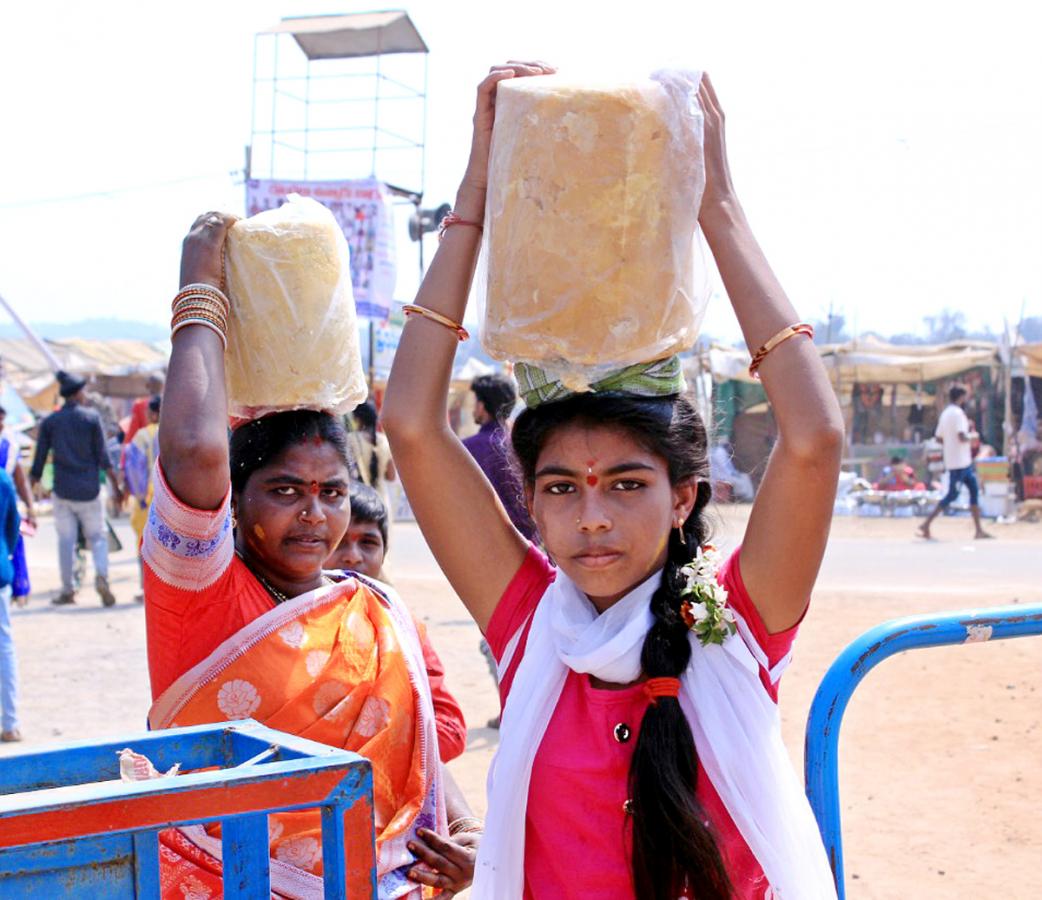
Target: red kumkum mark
{"points": [[314, 488], [591, 479]]}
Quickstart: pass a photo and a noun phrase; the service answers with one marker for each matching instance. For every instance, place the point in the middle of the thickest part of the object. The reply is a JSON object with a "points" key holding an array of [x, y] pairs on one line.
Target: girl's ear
{"points": [[529, 496], [684, 495]]}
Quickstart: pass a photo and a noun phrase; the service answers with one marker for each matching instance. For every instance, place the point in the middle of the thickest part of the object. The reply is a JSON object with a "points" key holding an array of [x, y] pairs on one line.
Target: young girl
{"points": [[640, 749]]}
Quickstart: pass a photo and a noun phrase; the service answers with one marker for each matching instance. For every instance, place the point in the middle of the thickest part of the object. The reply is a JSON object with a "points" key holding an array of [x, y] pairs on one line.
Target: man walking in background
{"points": [[75, 437], [955, 433]]}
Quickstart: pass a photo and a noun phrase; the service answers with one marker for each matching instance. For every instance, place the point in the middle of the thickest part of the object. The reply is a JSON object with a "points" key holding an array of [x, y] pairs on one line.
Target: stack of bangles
{"points": [[465, 825], [411, 309], [780, 338], [201, 304]]}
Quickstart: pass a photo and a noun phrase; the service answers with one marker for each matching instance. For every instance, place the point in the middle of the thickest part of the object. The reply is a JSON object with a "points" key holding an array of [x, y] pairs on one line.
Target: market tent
{"points": [[878, 362], [1032, 355], [870, 360], [117, 368]]}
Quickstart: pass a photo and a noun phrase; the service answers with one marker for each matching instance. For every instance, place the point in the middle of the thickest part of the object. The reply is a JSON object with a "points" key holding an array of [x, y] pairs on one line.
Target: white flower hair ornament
{"points": [[704, 608]]}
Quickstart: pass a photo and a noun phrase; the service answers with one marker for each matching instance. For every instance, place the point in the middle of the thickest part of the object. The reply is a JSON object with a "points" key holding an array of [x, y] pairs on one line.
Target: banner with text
{"points": [[363, 210]]}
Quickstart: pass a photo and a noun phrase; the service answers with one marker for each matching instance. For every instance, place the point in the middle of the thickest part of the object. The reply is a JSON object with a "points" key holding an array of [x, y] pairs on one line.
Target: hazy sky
{"points": [[888, 154]]}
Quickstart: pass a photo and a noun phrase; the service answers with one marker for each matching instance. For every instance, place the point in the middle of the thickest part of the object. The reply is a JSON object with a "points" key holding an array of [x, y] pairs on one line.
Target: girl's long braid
{"points": [[673, 848]]}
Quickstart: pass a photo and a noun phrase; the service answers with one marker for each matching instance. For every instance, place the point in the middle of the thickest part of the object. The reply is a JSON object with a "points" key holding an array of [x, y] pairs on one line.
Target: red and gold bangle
{"points": [[188, 310], [201, 304], [199, 287], [206, 323], [193, 317], [411, 309], [453, 219], [200, 320], [201, 291], [791, 331]]}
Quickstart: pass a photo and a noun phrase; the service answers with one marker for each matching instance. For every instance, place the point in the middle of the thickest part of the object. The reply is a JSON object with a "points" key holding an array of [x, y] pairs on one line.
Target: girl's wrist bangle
{"points": [[466, 825]]}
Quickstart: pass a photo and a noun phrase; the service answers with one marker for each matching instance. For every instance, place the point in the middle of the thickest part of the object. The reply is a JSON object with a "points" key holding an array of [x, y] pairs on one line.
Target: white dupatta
{"points": [[734, 722]]}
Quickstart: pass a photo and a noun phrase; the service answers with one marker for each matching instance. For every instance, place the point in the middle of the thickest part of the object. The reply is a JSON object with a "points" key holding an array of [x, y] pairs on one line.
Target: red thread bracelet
{"points": [[452, 219]]}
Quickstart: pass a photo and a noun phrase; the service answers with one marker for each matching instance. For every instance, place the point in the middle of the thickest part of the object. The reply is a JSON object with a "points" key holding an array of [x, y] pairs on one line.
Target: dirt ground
{"points": [[940, 775]]}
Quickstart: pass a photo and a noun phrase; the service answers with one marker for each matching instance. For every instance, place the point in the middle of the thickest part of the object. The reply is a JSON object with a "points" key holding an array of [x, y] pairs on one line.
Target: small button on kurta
{"points": [[622, 732]]}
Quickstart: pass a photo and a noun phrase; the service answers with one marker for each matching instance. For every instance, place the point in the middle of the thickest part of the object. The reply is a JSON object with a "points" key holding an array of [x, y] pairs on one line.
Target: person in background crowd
{"points": [[9, 522], [363, 550], [139, 417], [956, 435], [10, 461], [899, 476], [371, 452], [494, 400], [75, 437], [139, 459]]}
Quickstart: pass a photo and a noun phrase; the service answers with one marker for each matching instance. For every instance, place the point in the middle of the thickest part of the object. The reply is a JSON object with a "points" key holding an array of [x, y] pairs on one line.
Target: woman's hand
{"points": [[485, 116], [719, 190], [449, 862], [202, 253]]}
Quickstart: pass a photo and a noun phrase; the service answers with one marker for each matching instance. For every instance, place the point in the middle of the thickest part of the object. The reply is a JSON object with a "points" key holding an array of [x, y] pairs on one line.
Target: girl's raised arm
{"points": [[466, 526], [193, 431], [788, 528]]}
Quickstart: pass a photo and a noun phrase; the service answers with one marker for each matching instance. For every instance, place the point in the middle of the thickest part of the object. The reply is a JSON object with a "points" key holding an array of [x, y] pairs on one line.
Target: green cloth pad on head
{"points": [[661, 378]]}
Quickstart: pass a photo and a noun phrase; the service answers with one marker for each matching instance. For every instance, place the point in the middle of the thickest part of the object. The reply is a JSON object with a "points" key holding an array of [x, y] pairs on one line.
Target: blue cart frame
{"points": [[821, 755], [70, 828]]}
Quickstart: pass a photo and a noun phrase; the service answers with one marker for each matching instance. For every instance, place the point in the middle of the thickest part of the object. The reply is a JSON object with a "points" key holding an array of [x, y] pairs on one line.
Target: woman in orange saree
{"points": [[242, 621]]}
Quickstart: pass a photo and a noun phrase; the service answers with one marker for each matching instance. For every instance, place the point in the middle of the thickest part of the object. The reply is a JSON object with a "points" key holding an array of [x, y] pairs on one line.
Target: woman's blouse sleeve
{"points": [[186, 548]]}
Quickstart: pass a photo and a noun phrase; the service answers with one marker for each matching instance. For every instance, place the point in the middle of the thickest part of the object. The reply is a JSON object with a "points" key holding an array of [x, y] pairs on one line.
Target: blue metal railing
{"points": [[821, 756]]}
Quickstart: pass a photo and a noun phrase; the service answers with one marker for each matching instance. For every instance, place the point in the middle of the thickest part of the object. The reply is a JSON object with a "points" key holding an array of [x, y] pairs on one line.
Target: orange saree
{"points": [[341, 665]]}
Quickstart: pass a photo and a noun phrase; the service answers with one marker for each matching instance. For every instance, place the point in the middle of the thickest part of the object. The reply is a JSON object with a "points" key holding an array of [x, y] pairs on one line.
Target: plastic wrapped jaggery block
{"points": [[590, 252], [292, 334]]}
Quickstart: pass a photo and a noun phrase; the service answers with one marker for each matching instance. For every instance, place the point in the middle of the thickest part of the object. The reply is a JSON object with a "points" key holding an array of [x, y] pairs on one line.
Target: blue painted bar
{"points": [[95, 850], [334, 872], [821, 754], [79, 764], [244, 843], [146, 863]]}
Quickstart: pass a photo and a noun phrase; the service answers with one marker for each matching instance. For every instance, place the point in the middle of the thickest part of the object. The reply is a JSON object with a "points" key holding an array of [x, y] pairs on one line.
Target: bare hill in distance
{"points": [[92, 329]]}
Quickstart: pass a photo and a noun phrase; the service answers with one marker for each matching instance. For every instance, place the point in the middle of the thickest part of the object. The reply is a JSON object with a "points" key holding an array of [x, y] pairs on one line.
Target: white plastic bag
{"points": [[292, 333], [590, 259]]}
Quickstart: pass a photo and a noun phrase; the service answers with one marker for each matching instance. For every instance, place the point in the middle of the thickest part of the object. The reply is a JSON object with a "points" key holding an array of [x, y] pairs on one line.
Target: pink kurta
{"points": [[577, 839]]}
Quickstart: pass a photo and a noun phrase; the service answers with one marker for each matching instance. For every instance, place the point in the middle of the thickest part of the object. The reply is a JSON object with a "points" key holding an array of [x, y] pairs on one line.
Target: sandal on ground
{"points": [[101, 585]]}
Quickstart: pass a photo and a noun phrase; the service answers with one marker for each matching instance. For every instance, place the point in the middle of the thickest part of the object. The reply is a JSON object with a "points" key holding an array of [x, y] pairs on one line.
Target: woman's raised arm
{"points": [[193, 431], [788, 528], [466, 526]]}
